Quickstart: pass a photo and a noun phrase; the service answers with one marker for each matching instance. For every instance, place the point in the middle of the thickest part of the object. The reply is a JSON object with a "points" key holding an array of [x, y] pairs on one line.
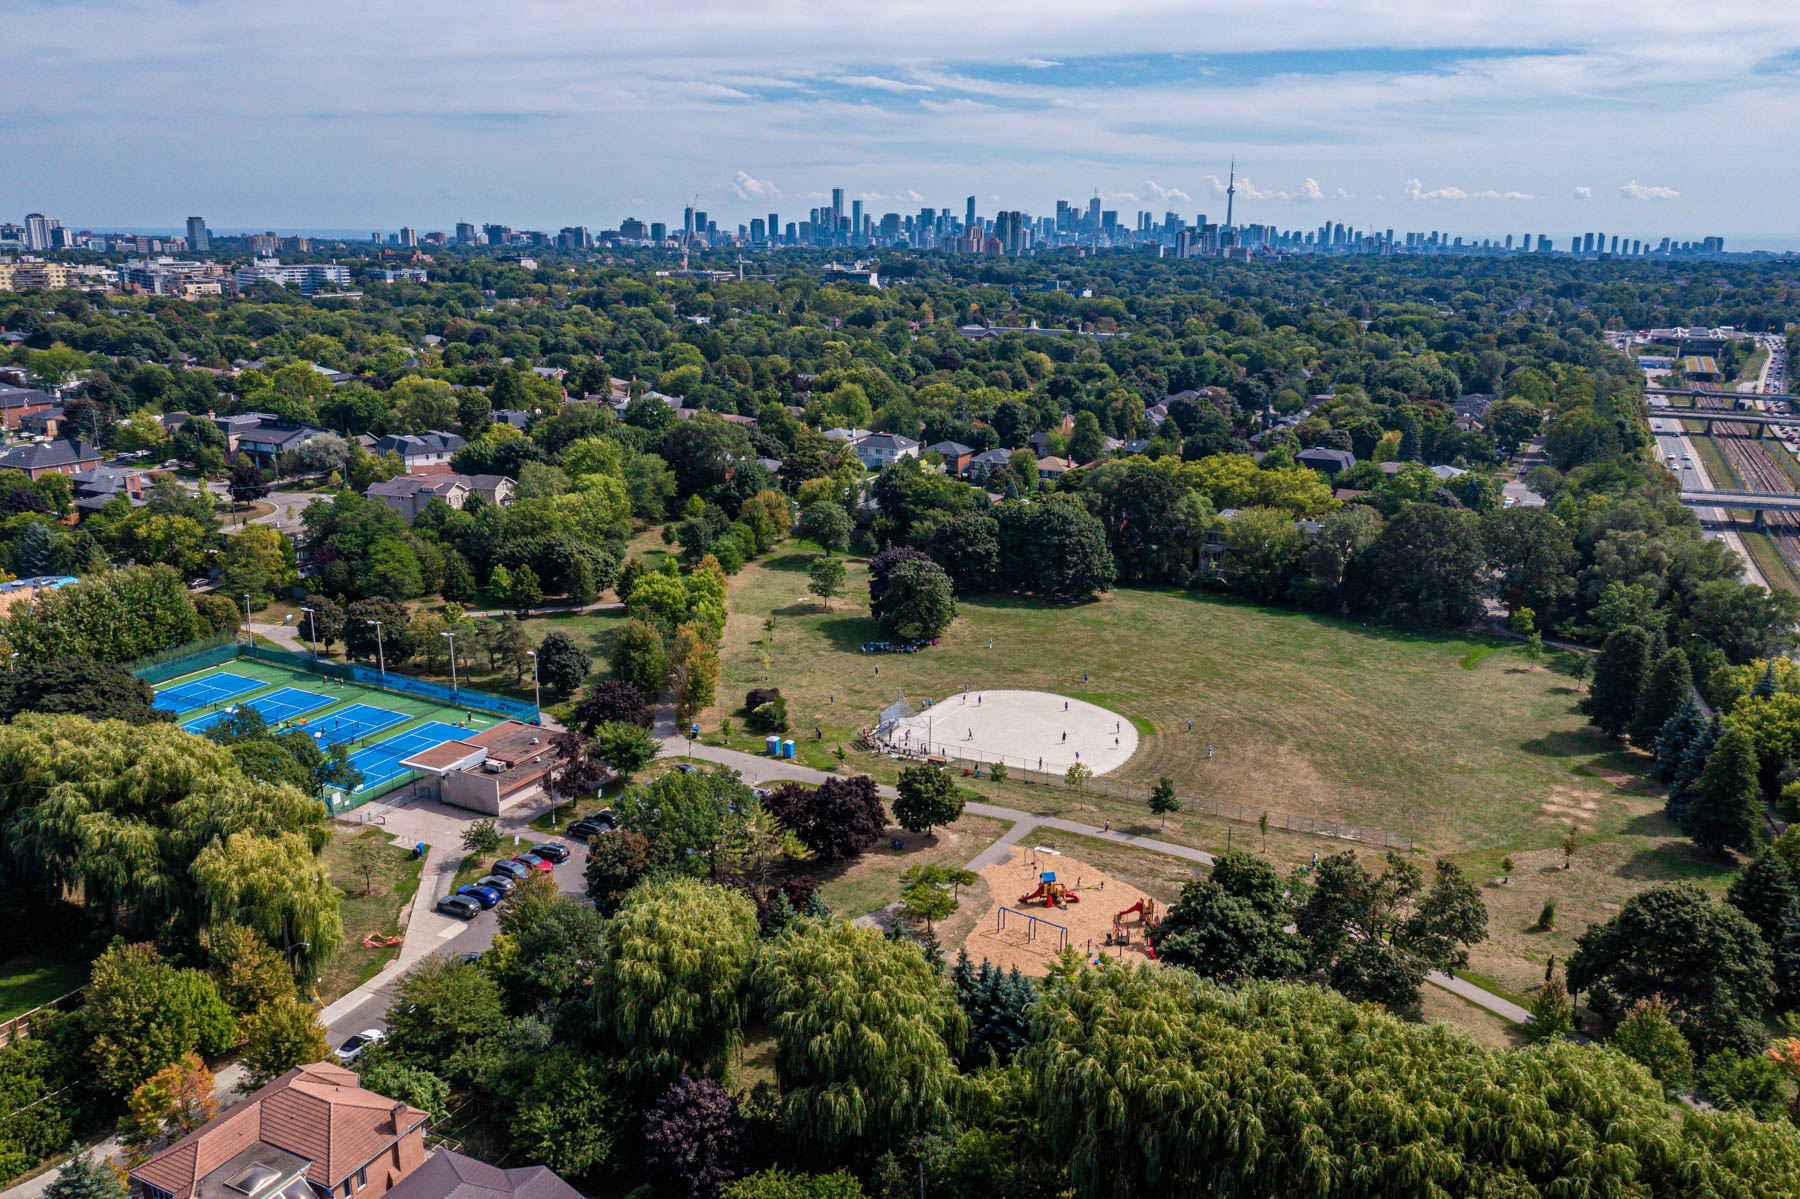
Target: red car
{"points": [[531, 861]]}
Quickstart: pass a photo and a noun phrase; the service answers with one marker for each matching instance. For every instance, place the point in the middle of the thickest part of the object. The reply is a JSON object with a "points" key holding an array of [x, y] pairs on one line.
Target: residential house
{"points": [[25, 591], [410, 495], [61, 456], [313, 1133], [17, 403], [516, 417], [1052, 467], [96, 485], [451, 1175], [955, 454], [988, 461], [850, 435], [44, 422], [879, 450], [1327, 462], [262, 438], [420, 449]]}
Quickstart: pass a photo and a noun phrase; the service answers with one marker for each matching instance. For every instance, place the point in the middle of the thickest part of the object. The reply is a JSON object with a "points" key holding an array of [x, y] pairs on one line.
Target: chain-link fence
{"points": [[1055, 774]]}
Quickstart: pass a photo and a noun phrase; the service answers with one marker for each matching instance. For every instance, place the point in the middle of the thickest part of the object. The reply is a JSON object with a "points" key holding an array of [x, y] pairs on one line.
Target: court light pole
{"points": [[312, 628], [249, 637], [452, 637], [380, 653], [537, 696]]}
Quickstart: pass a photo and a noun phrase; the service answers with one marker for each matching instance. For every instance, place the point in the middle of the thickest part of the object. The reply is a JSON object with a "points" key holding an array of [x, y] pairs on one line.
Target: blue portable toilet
{"points": [[787, 748], [772, 746]]}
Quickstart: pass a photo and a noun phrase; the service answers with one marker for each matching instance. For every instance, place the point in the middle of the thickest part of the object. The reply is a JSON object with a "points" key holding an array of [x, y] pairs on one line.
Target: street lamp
{"points": [[312, 628], [452, 637], [381, 654], [537, 696], [248, 636]]}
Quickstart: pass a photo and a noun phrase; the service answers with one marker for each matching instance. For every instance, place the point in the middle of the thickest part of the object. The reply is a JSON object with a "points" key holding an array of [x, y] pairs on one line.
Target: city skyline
{"points": [[1484, 120]]}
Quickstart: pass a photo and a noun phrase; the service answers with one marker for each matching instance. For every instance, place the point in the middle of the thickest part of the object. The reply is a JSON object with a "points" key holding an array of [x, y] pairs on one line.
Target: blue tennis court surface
{"points": [[275, 707], [380, 763], [353, 723], [199, 693]]}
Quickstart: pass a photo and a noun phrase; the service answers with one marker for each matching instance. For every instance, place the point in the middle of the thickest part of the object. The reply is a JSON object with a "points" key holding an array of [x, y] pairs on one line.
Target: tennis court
{"points": [[204, 692], [353, 723], [379, 763], [274, 708]]}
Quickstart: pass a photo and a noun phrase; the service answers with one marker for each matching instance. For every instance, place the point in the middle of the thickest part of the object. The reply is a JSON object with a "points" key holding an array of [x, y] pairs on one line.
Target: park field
{"points": [[1461, 743]]}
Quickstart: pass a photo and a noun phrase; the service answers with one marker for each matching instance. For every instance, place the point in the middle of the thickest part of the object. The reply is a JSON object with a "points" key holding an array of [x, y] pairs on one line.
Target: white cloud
{"points": [[1640, 191], [1584, 193], [749, 187], [879, 83], [1166, 194], [960, 104], [1123, 197], [715, 91], [1414, 190], [1310, 190], [1041, 64]]}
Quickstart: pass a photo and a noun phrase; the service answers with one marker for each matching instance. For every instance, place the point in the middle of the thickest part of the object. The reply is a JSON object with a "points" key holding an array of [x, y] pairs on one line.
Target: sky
{"points": [[1479, 118]]}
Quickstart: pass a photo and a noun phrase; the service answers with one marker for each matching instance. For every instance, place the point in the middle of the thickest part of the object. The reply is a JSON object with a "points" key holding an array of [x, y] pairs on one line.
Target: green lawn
{"points": [[35, 979], [1459, 742], [367, 903]]}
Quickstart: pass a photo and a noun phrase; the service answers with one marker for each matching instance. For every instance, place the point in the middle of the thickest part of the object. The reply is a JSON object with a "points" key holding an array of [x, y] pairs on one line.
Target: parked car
{"points": [[687, 768], [531, 861], [511, 869], [584, 828], [498, 882], [468, 959], [487, 897], [353, 1048], [460, 906], [555, 851]]}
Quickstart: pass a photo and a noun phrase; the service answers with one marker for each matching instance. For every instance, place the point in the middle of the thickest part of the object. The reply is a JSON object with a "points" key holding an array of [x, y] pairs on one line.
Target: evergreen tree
{"points": [[1648, 1037], [1687, 772], [1552, 1012], [1765, 686], [1724, 811], [1665, 692], [1676, 735], [1409, 438], [84, 1178], [37, 550], [1612, 700], [1764, 892], [1787, 959]]}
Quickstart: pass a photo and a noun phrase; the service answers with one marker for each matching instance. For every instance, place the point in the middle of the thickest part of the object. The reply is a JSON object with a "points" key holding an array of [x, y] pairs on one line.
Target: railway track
{"points": [[1750, 459]]}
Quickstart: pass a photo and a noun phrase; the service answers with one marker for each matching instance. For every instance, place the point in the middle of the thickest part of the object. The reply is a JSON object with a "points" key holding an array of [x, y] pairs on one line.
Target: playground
{"points": [[1035, 730], [1032, 917]]}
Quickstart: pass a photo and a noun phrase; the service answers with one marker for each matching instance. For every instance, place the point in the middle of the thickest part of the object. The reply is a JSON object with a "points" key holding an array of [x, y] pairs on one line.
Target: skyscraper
{"points": [[37, 231], [856, 221], [197, 238], [774, 227], [837, 209], [969, 211], [1230, 191], [465, 233]]}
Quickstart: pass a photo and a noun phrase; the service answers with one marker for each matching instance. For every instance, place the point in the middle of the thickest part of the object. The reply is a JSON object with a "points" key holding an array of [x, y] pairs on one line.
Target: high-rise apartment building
{"points": [[856, 221], [198, 240], [465, 233], [497, 235], [409, 237], [38, 231]]}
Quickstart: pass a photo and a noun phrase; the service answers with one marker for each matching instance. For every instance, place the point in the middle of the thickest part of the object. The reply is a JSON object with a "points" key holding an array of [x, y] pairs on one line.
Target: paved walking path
{"points": [[757, 769]]}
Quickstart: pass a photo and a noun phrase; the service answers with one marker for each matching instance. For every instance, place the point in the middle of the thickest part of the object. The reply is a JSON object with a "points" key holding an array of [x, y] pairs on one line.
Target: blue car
{"points": [[487, 897]]}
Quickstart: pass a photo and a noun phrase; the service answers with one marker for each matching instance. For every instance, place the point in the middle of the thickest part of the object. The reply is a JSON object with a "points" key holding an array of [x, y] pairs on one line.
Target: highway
{"points": [[1675, 451]]}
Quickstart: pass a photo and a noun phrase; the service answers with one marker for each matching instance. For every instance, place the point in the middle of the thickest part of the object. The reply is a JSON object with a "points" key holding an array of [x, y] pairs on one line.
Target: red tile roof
{"points": [[319, 1112]]}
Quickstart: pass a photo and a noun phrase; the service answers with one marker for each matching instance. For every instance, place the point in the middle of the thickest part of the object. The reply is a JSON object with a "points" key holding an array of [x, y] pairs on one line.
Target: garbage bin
{"points": [[787, 749], [772, 746]]}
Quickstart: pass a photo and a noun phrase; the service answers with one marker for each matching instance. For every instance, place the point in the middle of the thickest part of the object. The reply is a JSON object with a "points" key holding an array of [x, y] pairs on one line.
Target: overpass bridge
{"points": [[1757, 502], [1714, 416]]}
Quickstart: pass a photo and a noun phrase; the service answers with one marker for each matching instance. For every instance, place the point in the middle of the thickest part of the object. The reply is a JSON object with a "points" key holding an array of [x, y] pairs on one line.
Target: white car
{"points": [[352, 1049]]}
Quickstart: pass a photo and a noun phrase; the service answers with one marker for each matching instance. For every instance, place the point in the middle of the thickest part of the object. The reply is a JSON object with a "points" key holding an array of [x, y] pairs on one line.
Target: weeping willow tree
{"points": [[865, 1031], [1160, 1083], [157, 830], [673, 986]]}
